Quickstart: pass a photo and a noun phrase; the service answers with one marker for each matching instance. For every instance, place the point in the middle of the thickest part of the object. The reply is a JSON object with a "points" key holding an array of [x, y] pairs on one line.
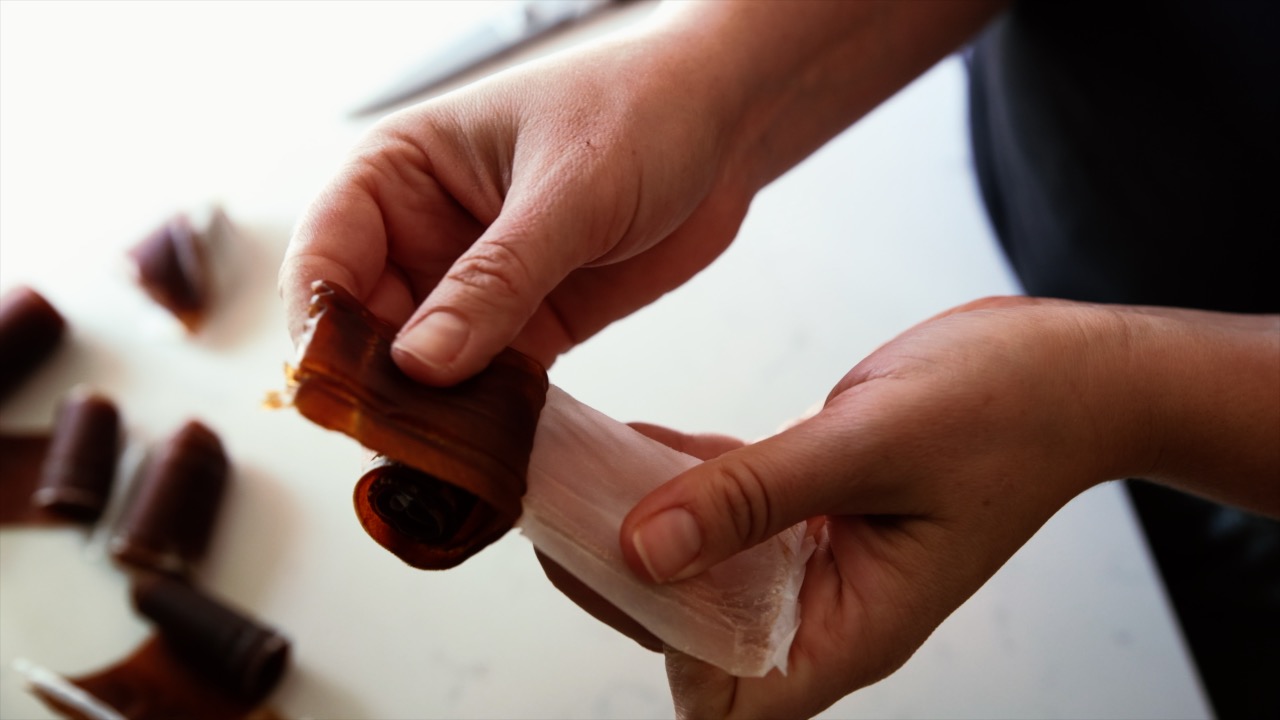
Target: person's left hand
{"points": [[932, 461]]}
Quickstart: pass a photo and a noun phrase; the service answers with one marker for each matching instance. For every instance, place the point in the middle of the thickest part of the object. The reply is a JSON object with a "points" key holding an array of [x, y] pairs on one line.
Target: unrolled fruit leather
{"points": [[586, 473]]}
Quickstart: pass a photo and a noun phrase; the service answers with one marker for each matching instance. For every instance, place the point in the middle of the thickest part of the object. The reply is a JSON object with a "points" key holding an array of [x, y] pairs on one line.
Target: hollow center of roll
{"points": [[419, 506]]}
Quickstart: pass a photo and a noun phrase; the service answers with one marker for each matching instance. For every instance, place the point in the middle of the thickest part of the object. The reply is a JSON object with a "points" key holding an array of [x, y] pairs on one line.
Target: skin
{"points": [[920, 467], [538, 206]]}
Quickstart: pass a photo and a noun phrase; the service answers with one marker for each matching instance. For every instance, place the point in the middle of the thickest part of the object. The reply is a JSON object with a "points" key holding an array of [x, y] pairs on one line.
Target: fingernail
{"points": [[436, 339], [668, 543]]}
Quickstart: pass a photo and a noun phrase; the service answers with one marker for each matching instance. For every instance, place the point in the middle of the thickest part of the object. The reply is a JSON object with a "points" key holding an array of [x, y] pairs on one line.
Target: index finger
{"points": [[340, 238]]}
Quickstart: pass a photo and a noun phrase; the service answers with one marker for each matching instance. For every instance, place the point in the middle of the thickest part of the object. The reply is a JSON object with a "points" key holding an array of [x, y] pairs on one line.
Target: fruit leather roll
{"points": [[455, 457], [79, 467], [463, 464], [30, 330], [205, 661], [169, 519]]}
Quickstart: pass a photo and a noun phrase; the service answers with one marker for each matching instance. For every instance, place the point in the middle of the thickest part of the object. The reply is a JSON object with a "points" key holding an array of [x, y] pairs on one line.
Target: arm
{"points": [[1211, 386], [799, 73]]}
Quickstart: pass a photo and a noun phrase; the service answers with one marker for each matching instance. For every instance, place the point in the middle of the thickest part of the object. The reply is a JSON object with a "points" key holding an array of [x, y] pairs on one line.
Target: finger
{"points": [[703, 446], [819, 467], [595, 605], [869, 599], [488, 295], [699, 689], [341, 239], [391, 297], [385, 228]]}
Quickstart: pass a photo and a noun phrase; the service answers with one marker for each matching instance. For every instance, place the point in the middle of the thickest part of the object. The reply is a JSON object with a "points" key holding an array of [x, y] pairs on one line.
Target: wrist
{"points": [[1212, 387], [1117, 392], [792, 75]]}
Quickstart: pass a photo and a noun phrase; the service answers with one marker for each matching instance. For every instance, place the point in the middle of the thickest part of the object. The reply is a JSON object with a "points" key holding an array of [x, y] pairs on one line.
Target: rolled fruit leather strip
{"points": [[457, 455], [170, 515], [206, 661], [30, 330], [171, 266], [237, 654], [20, 459], [79, 467], [66, 477]]}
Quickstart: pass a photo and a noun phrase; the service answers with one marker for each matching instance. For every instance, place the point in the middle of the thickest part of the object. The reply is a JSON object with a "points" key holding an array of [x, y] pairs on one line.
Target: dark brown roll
{"points": [[460, 452], [20, 458], [171, 265], [243, 657], [30, 330], [428, 523], [169, 519], [79, 466]]}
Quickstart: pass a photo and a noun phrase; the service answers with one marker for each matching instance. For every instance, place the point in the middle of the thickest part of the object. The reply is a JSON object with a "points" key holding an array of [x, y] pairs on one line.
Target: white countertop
{"points": [[113, 116]]}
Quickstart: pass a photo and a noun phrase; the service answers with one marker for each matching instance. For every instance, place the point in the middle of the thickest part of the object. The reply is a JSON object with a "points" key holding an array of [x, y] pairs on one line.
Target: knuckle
{"points": [[494, 268], [744, 499]]}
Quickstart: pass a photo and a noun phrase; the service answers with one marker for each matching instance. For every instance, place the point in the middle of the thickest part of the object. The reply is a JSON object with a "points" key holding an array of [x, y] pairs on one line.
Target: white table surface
{"points": [[113, 116]]}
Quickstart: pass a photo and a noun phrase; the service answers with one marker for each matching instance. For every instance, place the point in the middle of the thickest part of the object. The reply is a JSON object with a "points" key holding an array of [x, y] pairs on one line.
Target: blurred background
{"points": [[114, 116]]}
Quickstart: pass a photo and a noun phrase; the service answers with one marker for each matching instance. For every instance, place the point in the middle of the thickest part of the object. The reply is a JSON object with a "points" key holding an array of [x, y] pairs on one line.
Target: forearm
{"points": [[1212, 386], [795, 74]]}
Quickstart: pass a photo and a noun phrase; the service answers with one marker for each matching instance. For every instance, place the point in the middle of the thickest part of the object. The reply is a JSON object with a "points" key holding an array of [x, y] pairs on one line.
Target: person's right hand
{"points": [[531, 209], [534, 208]]}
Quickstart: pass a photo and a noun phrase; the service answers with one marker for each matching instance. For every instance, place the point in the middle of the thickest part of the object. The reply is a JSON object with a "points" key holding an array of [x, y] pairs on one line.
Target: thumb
{"points": [[486, 297], [745, 496]]}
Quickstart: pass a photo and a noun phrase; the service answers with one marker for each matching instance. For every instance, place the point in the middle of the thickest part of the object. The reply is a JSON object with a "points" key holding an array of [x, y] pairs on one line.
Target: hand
{"points": [[938, 456], [531, 209], [540, 205], [932, 461]]}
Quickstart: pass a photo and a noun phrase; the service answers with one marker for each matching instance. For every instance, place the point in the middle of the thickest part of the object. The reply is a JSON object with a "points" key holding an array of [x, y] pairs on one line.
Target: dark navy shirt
{"points": [[1128, 152]]}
